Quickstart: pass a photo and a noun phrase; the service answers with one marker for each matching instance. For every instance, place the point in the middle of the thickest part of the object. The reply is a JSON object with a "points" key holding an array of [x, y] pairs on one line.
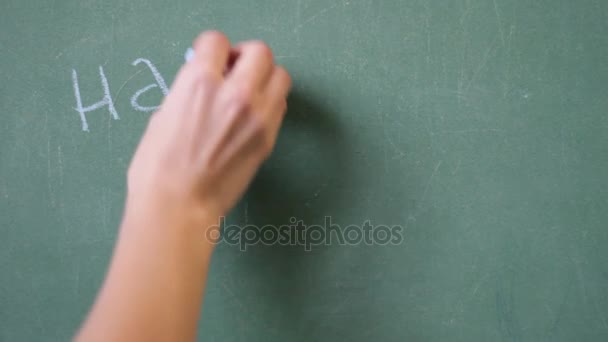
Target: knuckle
{"points": [[200, 74], [242, 96], [210, 37], [203, 76], [259, 48], [283, 74], [260, 135], [258, 127]]}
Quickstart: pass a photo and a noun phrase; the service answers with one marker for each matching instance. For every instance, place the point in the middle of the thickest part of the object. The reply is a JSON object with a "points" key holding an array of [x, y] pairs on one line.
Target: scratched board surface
{"points": [[477, 126]]}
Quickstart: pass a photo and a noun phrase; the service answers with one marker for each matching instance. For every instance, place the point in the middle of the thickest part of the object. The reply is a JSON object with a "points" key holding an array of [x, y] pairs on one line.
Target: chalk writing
{"points": [[106, 101], [107, 98], [160, 83], [139, 107]]}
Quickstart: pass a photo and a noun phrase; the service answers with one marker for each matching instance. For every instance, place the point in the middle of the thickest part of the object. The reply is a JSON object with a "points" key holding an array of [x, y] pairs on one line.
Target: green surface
{"points": [[478, 125]]}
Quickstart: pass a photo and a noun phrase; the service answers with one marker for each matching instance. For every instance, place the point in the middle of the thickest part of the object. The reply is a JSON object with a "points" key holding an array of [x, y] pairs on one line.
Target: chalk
{"points": [[189, 54]]}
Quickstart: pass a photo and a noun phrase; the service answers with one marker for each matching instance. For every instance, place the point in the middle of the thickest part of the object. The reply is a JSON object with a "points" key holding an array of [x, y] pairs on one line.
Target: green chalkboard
{"points": [[478, 126]]}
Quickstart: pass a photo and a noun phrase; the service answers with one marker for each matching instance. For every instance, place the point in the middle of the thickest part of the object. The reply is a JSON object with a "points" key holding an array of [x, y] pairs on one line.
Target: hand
{"points": [[217, 125]]}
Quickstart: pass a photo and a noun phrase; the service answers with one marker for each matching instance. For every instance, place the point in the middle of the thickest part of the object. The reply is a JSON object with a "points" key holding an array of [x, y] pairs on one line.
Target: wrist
{"points": [[190, 219]]}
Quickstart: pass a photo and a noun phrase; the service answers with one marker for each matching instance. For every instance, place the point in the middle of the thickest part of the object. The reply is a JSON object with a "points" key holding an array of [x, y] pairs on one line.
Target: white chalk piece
{"points": [[189, 54]]}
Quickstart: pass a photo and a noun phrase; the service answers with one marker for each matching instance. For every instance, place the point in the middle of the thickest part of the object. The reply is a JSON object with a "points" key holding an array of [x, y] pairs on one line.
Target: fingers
{"points": [[276, 100], [220, 81], [278, 86], [253, 65], [212, 50]]}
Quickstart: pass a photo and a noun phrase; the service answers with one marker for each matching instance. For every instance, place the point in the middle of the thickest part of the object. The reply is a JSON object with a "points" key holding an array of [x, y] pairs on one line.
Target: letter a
{"points": [[160, 83]]}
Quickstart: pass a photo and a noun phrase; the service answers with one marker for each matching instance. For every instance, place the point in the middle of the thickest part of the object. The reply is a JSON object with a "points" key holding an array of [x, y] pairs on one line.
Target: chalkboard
{"points": [[477, 126]]}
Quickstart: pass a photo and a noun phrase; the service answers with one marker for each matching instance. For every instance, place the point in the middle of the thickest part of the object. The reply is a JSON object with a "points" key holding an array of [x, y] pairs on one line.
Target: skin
{"points": [[199, 153]]}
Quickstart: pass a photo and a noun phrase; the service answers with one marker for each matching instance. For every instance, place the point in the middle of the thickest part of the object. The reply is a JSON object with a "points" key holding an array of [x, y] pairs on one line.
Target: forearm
{"points": [[154, 288], [199, 152]]}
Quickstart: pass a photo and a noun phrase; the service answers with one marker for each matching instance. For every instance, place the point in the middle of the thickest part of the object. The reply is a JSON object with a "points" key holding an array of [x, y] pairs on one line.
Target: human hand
{"points": [[218, 124]]}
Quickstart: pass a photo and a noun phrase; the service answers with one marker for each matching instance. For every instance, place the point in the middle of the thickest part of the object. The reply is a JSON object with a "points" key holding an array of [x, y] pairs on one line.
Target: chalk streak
{"points": [[499, 21], [314, 16], [428, 183], [127, 81]]}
